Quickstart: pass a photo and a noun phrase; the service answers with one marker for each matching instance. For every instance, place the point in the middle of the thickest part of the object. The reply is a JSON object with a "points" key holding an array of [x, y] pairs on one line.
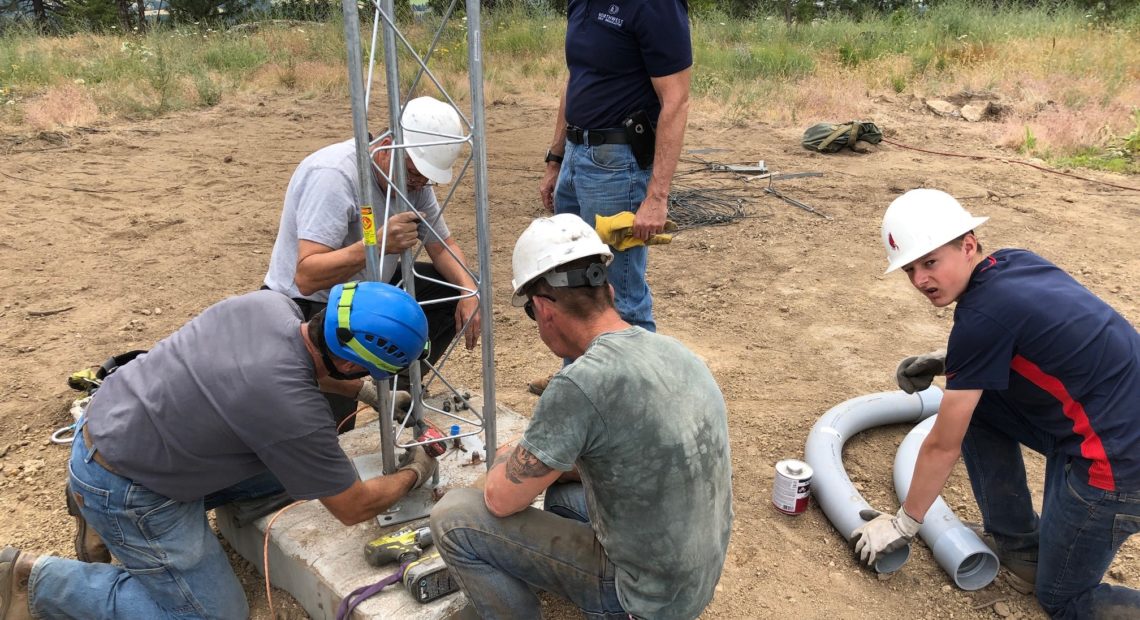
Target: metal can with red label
{"points": [[792, 487]]}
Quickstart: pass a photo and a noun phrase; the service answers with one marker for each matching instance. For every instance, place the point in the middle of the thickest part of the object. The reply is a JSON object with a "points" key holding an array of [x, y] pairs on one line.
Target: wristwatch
{"points": [[551, 157]]}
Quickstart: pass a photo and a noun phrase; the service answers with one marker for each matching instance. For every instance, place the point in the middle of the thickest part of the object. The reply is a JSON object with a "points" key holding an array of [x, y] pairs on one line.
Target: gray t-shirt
{"points": [[230, 394], [644, 422], [321, 206]]}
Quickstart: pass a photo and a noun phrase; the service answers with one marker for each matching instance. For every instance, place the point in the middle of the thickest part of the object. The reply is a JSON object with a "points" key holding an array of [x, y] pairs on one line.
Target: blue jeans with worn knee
{"points": [[500, 562], [606, 180], [173, 565], [1080, 527]]}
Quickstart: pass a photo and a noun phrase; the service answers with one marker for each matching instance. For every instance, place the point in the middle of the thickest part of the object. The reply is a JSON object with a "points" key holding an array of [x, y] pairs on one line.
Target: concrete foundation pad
{"points": [[319, 561]]}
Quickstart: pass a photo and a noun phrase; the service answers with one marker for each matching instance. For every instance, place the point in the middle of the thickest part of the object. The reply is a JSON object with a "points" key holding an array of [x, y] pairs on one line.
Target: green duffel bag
{"points": [[829, 138]]}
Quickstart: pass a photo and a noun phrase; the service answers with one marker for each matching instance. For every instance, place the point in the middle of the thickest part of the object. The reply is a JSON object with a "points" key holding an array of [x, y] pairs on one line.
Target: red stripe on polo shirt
{"points": [[1100, 472]]}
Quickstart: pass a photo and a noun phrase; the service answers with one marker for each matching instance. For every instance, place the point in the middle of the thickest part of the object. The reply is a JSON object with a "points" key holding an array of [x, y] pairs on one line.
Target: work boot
{"points": [[15, 570], [89, 546], [538, 386], [1021, 575]]}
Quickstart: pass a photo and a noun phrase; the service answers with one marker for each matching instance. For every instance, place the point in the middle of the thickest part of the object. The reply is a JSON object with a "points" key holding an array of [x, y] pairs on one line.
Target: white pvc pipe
{"points": [[831, 487], [957, 549]]}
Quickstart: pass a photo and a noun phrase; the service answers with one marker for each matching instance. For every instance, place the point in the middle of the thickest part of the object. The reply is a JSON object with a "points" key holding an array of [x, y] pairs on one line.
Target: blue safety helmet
{"points": [[375, 325]]}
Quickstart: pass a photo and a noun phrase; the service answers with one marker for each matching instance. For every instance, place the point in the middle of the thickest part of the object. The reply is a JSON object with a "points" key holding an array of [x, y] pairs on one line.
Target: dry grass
{"points": [[1061, 131], [66, 105], [1074, 87]]}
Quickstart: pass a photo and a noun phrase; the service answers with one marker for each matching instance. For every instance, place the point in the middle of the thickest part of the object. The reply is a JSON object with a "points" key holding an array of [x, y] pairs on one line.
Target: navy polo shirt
{"points": [[1059, 356], [613, 47]]}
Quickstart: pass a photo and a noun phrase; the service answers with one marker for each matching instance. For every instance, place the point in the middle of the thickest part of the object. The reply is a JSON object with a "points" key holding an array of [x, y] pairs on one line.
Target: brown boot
{"points": [[15, 569], [89, 546], [538, 386]]}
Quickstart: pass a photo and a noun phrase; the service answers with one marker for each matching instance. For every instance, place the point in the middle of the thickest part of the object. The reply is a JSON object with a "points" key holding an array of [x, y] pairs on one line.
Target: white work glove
{"points": [[419, 461], [882, 534], [369, 394], [917, 372]]}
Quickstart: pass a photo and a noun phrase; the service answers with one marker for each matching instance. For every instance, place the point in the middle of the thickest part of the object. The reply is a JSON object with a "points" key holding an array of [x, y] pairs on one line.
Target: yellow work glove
{"points": [[617, 231]]}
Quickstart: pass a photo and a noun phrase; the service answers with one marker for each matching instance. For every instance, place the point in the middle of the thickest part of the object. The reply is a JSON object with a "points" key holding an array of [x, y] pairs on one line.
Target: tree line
{"points": [[61, 16]]}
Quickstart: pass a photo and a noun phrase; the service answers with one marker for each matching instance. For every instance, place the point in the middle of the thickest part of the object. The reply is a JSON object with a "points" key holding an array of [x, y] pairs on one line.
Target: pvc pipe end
{"points": [[976, 571], [964, 556], [892, 561]]}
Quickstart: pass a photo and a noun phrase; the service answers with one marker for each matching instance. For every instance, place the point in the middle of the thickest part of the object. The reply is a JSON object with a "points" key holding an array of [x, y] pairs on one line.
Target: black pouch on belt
{"points": [[642, 138]]}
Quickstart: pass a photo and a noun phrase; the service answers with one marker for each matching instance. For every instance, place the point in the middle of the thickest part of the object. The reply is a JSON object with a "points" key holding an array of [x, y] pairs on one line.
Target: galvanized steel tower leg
{"points": [[376, 210], [482, 222]]}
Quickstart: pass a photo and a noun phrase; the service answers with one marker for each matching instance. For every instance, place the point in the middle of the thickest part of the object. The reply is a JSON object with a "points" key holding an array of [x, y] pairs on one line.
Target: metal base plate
{"points": [[417, 504]]}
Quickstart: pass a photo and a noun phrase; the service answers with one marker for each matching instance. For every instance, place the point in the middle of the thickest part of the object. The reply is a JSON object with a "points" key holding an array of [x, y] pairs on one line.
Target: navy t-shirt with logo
{"points": [[613, 48], [1056, 354]]}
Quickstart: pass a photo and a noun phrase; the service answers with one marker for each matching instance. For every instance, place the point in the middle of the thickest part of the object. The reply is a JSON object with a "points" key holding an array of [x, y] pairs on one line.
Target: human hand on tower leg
{"points": [[418, 460], [402, 233]]}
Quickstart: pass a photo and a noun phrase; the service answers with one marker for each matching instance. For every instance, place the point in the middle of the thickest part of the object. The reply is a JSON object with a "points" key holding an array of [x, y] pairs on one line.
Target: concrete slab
{"points": [[319, 561]]}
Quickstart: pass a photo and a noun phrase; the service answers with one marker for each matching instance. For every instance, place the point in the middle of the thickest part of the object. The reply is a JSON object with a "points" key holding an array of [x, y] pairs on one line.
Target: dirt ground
{"points": [[136, 227]]}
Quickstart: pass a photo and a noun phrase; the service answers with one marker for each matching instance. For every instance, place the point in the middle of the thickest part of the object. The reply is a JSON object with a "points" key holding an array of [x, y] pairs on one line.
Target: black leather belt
{"points": [[595, 137]]}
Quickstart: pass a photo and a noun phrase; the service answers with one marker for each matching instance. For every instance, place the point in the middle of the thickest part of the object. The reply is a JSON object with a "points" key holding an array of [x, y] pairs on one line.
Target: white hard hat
{"points": [[921, 221], [427, 120], [548, 243]]}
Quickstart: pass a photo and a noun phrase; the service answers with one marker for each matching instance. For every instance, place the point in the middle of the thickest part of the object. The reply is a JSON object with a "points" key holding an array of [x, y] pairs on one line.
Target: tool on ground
{"points": [[428, 578], [713, 166], [760, 168], [792, 201], [402, 546]]}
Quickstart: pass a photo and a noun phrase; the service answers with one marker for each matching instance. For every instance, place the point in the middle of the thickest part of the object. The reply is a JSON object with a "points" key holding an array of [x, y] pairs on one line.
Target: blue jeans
{"points": [[172, 563], [605, 180], [1080, 527], [500, 562]]}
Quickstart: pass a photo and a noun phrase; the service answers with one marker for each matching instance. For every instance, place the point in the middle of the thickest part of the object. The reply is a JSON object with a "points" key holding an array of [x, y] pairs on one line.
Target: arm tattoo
{"points": [[523, 464]]}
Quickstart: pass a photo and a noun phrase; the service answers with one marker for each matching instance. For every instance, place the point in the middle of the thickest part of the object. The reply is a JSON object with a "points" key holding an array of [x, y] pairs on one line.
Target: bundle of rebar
{"points": [[702, 206]]}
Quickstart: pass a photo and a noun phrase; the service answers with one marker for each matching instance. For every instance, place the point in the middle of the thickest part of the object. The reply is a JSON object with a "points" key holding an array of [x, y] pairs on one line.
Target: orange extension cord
{"points": [[265, 554]]}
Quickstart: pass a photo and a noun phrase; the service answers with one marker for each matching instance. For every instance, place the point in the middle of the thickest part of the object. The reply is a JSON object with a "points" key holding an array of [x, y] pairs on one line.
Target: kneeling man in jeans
{"points": [[630, 444]]}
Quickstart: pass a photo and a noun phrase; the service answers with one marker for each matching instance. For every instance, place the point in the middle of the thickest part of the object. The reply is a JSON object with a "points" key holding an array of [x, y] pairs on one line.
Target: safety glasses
{"points": [[529, 306]]}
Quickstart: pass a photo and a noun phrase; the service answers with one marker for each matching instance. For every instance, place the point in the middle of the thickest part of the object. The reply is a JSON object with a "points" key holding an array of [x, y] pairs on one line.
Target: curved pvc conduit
{"points": [[832, 489], [957, 549]]}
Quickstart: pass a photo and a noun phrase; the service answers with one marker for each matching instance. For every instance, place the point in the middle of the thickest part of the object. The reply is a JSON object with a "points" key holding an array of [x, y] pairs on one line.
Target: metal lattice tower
{"points": [[376, 210]]}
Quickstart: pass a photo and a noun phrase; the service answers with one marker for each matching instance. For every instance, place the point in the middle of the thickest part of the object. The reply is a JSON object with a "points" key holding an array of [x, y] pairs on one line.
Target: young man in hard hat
{"points": [[1034, 359], [319, 241], [225, 408], [629, 443], [619, 129]]}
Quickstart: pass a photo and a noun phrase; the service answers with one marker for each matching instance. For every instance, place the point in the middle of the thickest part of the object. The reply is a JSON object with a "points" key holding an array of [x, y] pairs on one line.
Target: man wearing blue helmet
{"points": [[226, 408]]}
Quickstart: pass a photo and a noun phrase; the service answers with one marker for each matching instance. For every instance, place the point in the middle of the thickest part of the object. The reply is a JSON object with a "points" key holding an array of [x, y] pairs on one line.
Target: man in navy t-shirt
{"points": [[625, 57], [1033, 359]]}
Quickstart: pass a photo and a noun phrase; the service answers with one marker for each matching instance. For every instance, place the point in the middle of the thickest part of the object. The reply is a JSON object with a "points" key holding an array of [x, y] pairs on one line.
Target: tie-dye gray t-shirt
{"points": [[643, 420]]}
